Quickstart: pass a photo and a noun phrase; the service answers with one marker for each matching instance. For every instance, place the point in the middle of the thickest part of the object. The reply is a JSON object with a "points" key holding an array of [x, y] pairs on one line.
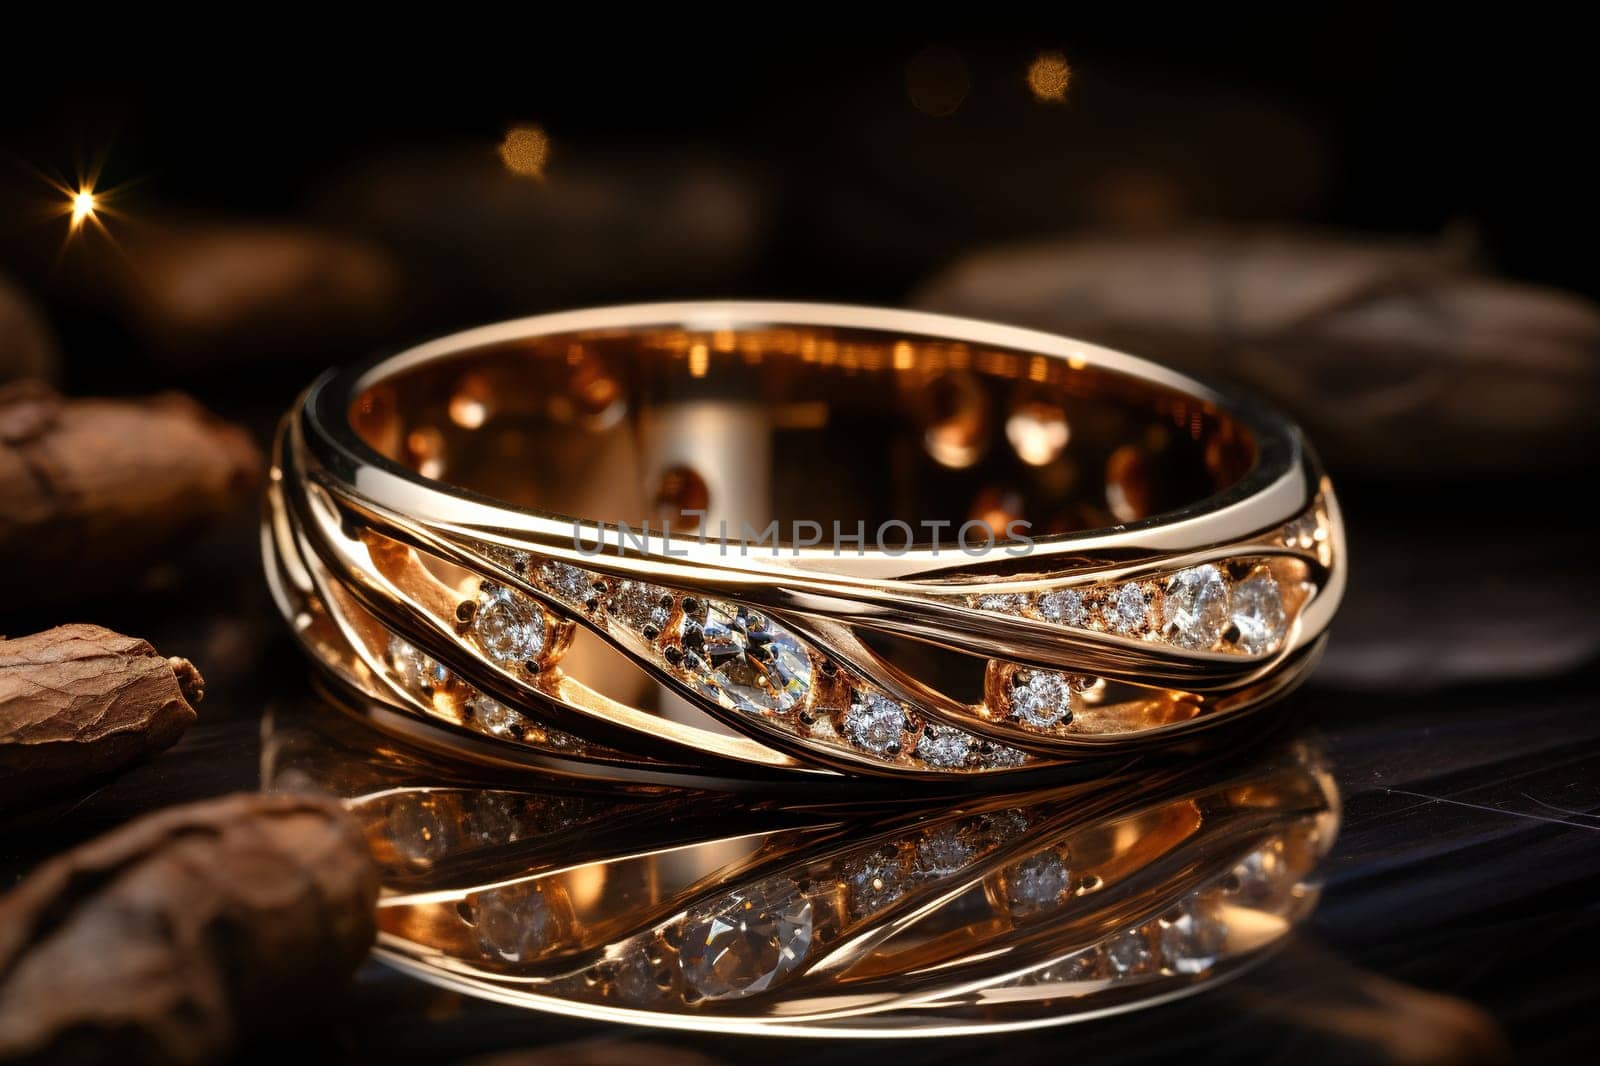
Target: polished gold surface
{"points": [[1048, 553], [809, 913]]}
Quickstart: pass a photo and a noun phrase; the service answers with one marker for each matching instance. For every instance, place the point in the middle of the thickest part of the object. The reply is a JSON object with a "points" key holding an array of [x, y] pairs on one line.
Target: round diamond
{"points": [[1261, 877], [1080, 966], [1005, 602], [417, 669], [943, 851], [493, 716], [508, 628], [512, 559], [568, 582], [1002, 827], [943, 746], [1001, 757], [1065, 607], [640, 605], [514, 923], [874, 723], [555, 738], [421, 829], [1302, 532], [875, 882], [1257, 611], [748, 941], [638, 979], [495, 817], [1042, 698], [1194, 612], [1192, 942], [1127, 610], [1129, 953], [1037, 883], [745, 661]]}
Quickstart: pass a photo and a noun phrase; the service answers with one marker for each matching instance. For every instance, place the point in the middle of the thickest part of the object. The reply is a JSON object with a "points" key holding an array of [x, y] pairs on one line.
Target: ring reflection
{"points": [[812, 913]]}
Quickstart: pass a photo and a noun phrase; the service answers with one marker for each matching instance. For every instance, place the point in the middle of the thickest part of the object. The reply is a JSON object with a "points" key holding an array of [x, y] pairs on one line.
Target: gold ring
{"points": [[768, 540]]}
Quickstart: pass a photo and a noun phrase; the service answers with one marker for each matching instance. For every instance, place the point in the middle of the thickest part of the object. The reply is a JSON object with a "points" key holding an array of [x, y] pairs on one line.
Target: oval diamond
{"points": [[513, 923], [745, 661], [1191, 942], [747, 941], [1257, 612], [1194, 612]]}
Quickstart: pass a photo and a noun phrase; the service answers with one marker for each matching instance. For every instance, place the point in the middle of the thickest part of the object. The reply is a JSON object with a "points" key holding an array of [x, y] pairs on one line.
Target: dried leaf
{"points": [[185, 933], [79, 701]]}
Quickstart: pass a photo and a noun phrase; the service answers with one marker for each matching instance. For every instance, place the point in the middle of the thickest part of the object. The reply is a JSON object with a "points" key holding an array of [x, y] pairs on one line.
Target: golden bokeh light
{"points": [[525, 151], [1038, 432], [957, 432], [83, 205], [1048, 77]]}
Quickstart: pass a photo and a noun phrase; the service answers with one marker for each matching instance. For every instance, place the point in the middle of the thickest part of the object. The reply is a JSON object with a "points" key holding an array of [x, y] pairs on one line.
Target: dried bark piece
{"points": [[27, 349], [208, 296], [92, 491], [185, 933], [1398, 358], [79, 701]]}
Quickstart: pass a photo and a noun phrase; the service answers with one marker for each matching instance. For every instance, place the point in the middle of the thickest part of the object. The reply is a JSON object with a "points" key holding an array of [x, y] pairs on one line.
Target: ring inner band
{"points": [[752, 426]]}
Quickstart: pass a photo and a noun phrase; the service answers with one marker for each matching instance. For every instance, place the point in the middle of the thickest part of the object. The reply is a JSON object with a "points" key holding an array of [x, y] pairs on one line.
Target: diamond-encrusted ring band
{"points": [[769, 540]]}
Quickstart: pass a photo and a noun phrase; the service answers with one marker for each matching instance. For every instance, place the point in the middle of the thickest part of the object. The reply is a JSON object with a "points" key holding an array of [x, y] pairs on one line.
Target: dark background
{"points": [[1362, 119], [1458, 699]]}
